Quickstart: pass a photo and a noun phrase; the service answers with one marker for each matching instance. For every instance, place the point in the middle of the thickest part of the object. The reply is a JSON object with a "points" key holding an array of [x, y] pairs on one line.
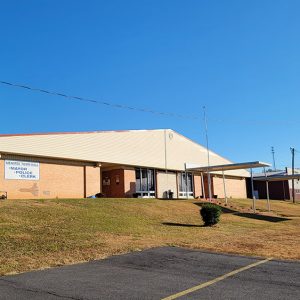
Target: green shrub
{"points": [[210, 214]]}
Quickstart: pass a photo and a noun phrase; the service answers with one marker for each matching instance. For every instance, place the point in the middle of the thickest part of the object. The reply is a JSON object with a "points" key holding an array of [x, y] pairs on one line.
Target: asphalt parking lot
{"points": [[161, 273]]}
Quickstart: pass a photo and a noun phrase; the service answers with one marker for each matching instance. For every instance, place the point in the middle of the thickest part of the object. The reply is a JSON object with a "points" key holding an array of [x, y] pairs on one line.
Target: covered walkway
{"points": [[223, 169]]}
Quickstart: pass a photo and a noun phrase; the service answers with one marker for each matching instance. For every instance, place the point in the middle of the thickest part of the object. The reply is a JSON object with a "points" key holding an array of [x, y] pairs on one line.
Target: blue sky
{"points": [[241, 59]]}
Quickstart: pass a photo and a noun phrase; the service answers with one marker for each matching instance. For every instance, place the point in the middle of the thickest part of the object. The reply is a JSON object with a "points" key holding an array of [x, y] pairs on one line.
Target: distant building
{"points": [[278, 190], [129, 163]]}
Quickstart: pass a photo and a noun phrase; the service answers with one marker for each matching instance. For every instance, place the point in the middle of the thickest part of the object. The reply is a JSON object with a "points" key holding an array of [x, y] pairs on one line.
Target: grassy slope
{"points": [[42, 233]]}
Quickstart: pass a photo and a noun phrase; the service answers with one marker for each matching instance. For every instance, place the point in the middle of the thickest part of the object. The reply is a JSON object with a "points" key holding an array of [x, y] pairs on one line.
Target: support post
{"points": [[224, 186], [100, 177], [252, 188], [293, 172], [203, 189], [166, 163], [267, 190], [186, 182], [84, 182], [283, 185]]}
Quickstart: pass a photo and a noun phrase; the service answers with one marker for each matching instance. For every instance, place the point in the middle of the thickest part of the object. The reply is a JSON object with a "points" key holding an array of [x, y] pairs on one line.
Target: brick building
{"points": [[133, 163]]}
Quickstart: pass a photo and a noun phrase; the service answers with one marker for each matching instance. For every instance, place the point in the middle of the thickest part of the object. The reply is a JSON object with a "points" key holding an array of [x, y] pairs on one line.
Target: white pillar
{"points": [[186, 182], [267, 189], [224, 186], [252, 188], [203, 189]]}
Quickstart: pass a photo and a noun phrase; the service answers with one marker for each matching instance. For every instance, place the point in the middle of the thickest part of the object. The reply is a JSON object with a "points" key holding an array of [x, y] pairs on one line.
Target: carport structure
{"points": [[273, 178], [228, 167]]}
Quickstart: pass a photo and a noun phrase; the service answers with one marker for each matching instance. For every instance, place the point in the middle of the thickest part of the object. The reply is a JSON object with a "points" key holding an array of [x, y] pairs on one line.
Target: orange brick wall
{"points": [[129, 183], [67, 181], [93, 182], [62, 181], [197, 186], [235, 187]]}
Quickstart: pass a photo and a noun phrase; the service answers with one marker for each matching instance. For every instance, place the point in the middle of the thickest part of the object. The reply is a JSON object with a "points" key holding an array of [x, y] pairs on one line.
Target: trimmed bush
{"points": [[210, 214]]}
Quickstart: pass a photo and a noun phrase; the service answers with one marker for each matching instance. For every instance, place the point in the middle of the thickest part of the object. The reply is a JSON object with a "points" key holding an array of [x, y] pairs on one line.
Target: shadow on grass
{"points": [[262, 217], [266, 218], [180, 224], [225, 210]]}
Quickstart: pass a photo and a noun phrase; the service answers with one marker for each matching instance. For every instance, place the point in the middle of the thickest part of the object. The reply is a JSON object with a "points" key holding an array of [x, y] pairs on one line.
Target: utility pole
{"points": [[207, 148], [293, 172], [273, 155]]}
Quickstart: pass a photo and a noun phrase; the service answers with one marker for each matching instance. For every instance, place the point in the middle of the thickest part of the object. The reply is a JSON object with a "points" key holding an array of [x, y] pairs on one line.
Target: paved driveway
{"points": [[168, 272]]}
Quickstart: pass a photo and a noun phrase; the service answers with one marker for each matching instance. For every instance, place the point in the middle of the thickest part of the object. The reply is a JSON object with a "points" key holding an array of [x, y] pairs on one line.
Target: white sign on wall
{"points": [[22, 170]]}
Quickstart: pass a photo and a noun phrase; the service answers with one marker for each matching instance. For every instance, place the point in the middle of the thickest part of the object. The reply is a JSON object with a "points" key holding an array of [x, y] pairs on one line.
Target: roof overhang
{"points": [[227, 167], [278, 177]]}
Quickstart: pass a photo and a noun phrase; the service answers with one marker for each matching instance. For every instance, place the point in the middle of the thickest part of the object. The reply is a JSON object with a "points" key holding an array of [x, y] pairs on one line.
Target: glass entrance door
{"points": [[186, 185], [145, 183]]}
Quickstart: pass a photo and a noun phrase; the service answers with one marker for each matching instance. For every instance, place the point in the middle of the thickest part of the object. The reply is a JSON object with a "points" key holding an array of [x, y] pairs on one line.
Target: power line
{"points": [[144, 110], [114, 105]]}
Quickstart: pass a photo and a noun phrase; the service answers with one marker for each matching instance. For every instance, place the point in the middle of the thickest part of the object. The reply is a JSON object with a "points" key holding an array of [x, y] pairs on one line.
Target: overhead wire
{"points": [[144, 110], [127, 107], [114, 105]]}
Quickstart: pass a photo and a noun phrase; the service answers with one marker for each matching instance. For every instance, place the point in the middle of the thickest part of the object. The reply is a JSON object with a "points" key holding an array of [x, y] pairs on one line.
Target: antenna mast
{"points": [[273, 155], [208, 160]]}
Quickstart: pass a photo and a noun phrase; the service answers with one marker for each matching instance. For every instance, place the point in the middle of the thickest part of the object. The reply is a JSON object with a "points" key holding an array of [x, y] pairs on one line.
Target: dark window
{"points": [[185, 184], [145, 182]]}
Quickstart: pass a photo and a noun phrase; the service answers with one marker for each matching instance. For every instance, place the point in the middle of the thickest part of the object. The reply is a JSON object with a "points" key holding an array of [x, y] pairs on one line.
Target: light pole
{"points": [[293, 172], [208, 158], [273, 155]]}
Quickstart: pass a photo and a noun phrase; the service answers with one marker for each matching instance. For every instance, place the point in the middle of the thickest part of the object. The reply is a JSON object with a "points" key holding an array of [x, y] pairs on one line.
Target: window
{"points": [[186, 185], [145, 183]]}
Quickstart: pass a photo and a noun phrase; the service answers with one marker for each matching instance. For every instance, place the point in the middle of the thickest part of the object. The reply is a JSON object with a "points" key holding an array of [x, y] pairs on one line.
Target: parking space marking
{"points": [[205, 284]]}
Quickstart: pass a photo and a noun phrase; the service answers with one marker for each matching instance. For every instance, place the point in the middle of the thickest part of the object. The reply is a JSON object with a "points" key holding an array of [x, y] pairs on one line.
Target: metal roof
{"points": [[270, 173], [277, 177], [228, 167], [161, 148]]}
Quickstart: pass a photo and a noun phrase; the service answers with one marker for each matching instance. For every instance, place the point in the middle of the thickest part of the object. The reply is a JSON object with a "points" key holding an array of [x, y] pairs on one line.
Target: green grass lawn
{"points": [[37, 234]]}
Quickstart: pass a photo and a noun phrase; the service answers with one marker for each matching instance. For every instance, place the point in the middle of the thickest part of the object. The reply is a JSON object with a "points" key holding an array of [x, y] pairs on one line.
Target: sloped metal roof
{"points": [[160, 148], [231, 166], [269, 173], [278, 177]]}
